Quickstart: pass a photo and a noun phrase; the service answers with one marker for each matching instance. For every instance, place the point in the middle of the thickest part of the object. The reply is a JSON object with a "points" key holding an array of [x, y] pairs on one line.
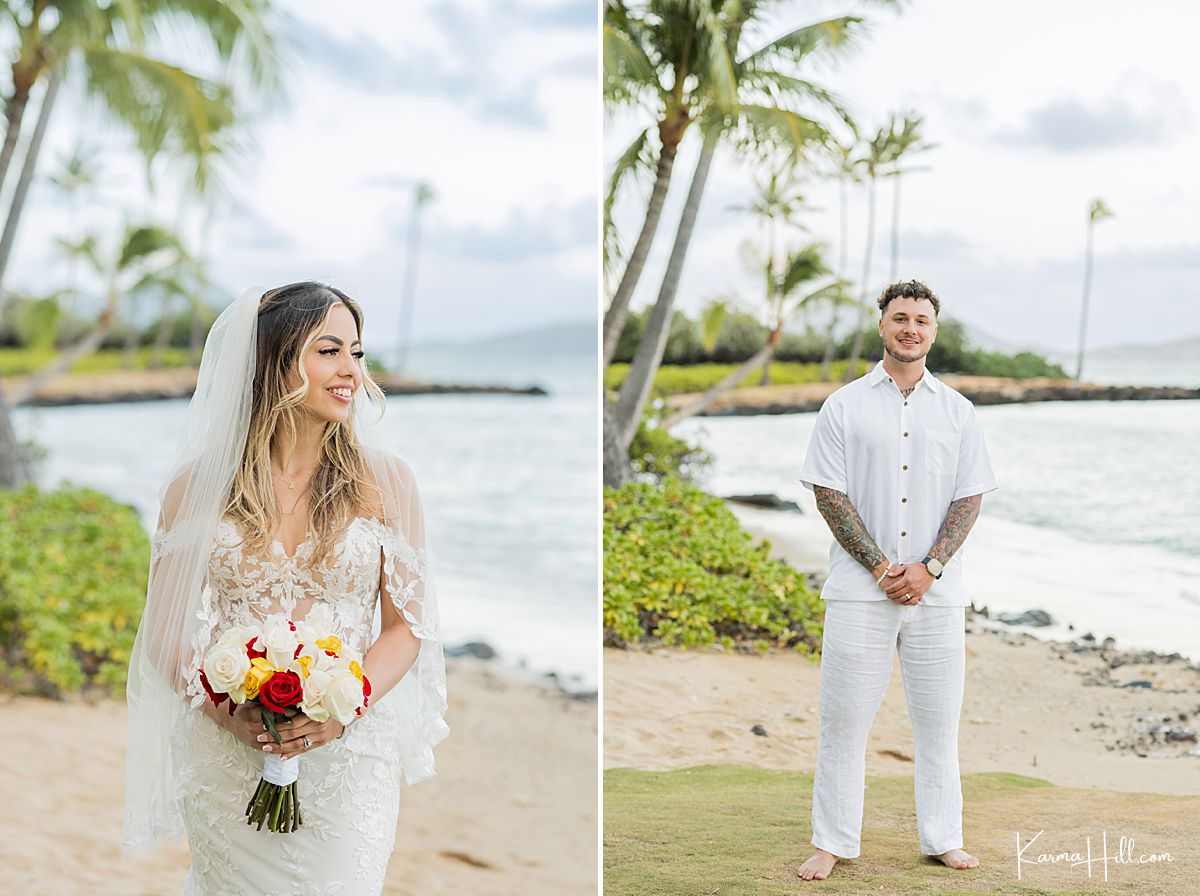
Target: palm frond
{"points": [[637, 160]]}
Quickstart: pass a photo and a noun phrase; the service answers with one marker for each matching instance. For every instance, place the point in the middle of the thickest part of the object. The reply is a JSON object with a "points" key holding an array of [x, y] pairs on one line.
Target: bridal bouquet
{"points": [[280, 666]]}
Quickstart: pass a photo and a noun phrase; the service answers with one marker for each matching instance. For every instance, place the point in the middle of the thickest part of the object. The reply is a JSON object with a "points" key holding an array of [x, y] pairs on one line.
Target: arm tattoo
{"points": [[847, 527], [959, 519]]}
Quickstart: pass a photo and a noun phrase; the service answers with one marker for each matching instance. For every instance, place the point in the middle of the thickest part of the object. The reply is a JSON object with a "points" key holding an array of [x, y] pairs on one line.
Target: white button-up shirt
{"points": [[901, 462]]}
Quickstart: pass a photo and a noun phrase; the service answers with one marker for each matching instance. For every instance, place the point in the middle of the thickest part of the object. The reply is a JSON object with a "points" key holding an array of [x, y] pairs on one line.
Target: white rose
{"points": [[343, 696], [225, 667], [315, 687], [279, 642], [238, 635]]}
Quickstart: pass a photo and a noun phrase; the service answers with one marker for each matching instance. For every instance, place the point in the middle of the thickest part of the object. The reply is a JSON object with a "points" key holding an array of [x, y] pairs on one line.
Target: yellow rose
{"points": [[356, 669], [333, 644]]}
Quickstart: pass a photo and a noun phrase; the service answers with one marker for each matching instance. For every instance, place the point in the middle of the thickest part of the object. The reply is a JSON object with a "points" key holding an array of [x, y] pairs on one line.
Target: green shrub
{"points": [[73, 566], [674, 380], [679, 568], [655, 452]]}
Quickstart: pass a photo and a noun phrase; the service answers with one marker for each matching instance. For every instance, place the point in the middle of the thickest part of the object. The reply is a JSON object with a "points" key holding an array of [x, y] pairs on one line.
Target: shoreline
{"points": [[129, 386], [981, 391], [64, 783]]}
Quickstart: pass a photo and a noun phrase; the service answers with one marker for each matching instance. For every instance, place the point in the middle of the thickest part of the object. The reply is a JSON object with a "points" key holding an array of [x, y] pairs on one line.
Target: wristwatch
{"points": [[934, 566]]}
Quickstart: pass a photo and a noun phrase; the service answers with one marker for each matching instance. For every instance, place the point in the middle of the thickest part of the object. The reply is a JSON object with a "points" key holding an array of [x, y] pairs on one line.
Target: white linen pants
{"points": [[858, 647]]}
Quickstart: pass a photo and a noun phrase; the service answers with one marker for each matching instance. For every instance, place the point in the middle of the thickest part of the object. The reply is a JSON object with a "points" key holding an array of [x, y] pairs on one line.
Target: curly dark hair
{"points": [[908, 289]]}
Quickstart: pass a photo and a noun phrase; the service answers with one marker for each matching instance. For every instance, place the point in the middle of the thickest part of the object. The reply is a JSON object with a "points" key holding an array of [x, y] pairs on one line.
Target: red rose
{"points": [[216, 698], [251, 652], [366, 690], [281, 691]]}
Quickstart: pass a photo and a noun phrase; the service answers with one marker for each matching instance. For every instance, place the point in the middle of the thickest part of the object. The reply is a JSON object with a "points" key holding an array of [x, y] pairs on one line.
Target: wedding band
{"points": [[307, 742], [907, 597]]}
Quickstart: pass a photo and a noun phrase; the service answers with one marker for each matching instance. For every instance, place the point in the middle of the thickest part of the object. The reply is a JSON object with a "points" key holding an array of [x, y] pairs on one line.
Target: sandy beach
{"points": [[1073, 713], [512, 810]]}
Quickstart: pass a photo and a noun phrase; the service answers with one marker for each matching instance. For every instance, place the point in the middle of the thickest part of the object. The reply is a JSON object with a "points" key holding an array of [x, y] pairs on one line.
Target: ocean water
{"points": [[1097, 518], [509, 485]]}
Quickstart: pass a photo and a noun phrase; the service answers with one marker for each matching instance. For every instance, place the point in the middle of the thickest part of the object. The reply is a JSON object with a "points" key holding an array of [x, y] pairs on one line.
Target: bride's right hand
{"points": [[246, 724]]}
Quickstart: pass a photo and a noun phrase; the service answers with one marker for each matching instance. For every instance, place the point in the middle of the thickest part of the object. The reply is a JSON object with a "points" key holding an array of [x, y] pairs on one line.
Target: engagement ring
{"points": [[307, 742]]}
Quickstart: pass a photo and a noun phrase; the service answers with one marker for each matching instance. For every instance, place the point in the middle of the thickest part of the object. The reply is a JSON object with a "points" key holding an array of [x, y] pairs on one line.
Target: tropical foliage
{"points": [[678, 569], [67, 625]]}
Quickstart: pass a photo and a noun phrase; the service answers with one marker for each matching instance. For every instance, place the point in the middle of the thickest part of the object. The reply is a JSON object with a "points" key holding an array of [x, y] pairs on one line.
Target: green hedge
{"points": [[73, 567], [677, 379], [17, 361], [679, 568]]}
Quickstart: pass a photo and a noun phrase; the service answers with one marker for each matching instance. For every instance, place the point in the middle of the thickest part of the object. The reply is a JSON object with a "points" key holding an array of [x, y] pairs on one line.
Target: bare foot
{"points": [[956, 858], [818, 866]]}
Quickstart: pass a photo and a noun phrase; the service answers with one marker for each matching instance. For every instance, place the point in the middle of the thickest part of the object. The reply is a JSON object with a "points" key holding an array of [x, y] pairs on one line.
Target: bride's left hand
{"points": [[296, 729]]}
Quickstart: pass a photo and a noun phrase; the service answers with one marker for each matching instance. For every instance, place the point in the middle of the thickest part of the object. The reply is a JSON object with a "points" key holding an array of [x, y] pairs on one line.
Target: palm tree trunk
{"points": [[409, 294], [13, 472], [831, 334], [856, 348], [762, 358], [197, 342], [69, 356], [162, 337], [131, 335], [26, 178], [895, 229], [635, 391], [618, 309], [617, 470], [14, 113], [1087, 288]]}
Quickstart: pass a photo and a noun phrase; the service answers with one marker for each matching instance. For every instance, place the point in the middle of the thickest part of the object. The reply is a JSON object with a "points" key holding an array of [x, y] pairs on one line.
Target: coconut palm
{"points": [[846, 172], [764, 120], [422, 195], [906, 141], [113, 50], [787, 290], [1097, 211], [146, 260], [664, 56], [878, 154]]}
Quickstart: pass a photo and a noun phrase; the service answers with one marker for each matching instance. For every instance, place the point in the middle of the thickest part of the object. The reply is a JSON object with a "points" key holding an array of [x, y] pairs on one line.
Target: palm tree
{"points": [[1097, 211], [422, 195], [906, 140], [784, 296], [146, 260], [712, 319], [170, 111], [761, 121], [878, 154], [665, 57], [845, 171]]}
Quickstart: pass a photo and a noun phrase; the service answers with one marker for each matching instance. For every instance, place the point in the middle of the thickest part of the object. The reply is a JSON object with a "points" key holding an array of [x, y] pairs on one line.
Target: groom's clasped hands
{"points": [[911, 579]]}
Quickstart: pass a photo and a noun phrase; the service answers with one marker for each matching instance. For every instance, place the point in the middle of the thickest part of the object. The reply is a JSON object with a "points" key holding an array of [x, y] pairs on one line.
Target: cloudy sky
{"points": [[492, 102], [1035, 108]]}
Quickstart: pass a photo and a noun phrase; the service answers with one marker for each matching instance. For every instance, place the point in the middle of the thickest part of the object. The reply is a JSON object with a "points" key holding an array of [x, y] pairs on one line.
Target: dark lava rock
{"points": [[477, 649], [759, 730], [1029, 617], [768, 501], [1138, 683]]}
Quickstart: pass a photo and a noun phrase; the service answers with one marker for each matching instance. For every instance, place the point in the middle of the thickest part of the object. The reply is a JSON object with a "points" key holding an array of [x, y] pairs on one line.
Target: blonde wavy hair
{"points": [[288, 321]]}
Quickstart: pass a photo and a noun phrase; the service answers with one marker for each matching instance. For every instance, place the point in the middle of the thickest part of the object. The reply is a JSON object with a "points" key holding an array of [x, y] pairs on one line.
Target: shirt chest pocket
{"points": [[941, 452]]}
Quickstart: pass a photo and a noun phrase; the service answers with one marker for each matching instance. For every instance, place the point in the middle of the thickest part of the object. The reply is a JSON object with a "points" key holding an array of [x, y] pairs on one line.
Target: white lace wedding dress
{"points": [[349, 790]]}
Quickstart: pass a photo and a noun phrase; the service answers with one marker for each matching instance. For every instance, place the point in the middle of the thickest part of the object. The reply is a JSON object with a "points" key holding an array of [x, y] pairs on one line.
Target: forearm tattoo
{"points": [[959, 519], [847, 527]]}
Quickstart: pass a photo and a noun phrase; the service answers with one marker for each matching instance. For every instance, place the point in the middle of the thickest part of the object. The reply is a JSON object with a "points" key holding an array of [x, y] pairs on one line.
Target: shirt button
{"points": [[902, 534], [904, 467], [906, 404], [906, 435], [904, 500]]}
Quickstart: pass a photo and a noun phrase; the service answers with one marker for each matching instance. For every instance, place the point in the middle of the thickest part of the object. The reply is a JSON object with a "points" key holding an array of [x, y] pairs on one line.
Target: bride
{"points": [[279, 504]]}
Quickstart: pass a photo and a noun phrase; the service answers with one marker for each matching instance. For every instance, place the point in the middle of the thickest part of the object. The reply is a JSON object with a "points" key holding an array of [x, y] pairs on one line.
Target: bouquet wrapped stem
{"points": [[284, 668]]}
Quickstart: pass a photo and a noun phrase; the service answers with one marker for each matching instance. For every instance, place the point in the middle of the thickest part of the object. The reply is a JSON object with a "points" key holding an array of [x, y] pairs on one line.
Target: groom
{"points": [[898, 467]]}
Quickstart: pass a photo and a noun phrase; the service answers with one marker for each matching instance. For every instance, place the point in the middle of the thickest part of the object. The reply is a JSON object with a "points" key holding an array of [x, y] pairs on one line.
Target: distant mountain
{"points": [[1187, 349], [555, 340]]}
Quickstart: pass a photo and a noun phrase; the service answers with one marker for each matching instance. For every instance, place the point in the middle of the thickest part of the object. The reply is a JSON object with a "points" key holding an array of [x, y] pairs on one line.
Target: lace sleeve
{"points": [[407, 581]]}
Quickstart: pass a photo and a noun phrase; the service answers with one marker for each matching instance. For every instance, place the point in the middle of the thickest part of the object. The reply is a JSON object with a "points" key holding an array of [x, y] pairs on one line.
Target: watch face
{"points": [[935, 568]]}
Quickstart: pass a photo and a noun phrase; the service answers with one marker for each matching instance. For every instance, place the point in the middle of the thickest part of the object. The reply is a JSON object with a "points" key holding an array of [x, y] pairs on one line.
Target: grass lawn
{"points": [[16, 361], [673, 379], [718, 830]]}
